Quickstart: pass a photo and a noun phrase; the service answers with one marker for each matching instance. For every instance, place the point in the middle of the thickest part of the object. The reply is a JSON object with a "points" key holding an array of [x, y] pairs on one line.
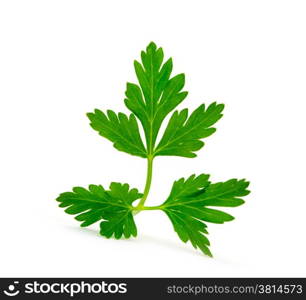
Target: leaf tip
{"points": [[151, 46]]}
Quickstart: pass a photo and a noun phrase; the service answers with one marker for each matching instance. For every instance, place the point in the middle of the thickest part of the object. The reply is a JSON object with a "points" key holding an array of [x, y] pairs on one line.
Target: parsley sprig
{"points": [[189, 204]]}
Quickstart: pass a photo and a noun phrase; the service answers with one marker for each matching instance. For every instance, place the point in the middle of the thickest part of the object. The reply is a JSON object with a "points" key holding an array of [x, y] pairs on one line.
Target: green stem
{"points": [[158, 207], [140, 206]]}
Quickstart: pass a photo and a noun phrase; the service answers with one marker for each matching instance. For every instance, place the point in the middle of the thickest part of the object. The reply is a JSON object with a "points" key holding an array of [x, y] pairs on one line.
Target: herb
{"points": [[189, 203]]}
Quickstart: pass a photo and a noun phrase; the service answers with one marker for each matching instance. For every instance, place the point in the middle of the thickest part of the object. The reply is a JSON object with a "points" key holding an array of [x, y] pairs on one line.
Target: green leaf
{"points": [[182, 135], [120, 129], [112, 207], [187, 206], [191, 201], [156, 95]]}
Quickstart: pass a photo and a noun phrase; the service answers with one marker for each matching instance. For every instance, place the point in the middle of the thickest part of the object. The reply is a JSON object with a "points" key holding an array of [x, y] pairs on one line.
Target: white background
{"points": [[61, 59]]}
